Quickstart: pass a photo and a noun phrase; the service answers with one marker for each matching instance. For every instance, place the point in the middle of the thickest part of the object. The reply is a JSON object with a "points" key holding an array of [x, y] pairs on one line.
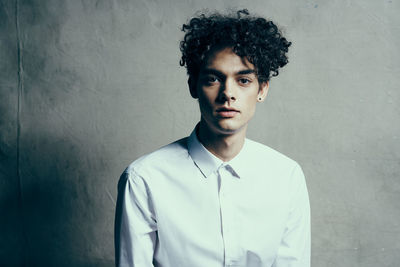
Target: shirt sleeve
{"points": [[294, 249], [135, 223]]}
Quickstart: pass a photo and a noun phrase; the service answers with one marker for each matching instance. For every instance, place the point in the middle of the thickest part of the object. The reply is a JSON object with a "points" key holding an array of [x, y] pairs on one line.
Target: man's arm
{"points": [[135, 223], [294, 250]]}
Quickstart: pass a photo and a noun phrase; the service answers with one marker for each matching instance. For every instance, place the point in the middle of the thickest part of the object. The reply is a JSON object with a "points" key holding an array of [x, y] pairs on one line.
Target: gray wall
{"points": [[88, 86]]}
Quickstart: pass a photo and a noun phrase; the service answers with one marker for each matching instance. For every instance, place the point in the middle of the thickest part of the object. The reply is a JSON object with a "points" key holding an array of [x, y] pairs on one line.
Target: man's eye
{"points": [[211, 80], [244, 81]]}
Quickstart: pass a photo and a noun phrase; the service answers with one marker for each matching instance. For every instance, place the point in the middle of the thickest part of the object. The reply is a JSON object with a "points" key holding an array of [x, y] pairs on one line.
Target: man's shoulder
{"points": [[264, 154], [169, 154]]}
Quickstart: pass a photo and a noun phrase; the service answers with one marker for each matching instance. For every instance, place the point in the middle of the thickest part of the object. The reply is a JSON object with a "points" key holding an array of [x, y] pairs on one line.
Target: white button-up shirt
{"points": [[181, 206]]}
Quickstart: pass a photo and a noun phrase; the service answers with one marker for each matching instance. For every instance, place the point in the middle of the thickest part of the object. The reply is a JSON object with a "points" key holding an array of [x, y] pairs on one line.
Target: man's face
{"points": [[228, 91]]}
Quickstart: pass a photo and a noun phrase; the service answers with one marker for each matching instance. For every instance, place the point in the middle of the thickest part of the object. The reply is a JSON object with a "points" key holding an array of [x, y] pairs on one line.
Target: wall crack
{"points": [[19, 96]]}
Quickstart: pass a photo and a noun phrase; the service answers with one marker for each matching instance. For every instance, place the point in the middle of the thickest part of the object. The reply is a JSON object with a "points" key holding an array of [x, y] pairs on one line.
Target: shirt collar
{"points": [[204, 159], [240, 163], [208, 163]]}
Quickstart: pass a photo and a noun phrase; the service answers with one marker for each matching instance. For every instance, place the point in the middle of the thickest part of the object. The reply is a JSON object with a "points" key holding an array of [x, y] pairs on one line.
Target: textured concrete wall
{"points": [[88, 86]]}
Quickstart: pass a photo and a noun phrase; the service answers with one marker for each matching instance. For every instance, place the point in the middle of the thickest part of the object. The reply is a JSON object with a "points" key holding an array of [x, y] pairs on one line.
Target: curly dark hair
{"points": [[255, 38]]}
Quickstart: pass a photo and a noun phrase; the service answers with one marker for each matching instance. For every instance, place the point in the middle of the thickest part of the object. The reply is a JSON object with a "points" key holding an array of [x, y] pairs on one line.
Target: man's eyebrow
{"points": [[218, 73], [248, 71], [211, 71]]}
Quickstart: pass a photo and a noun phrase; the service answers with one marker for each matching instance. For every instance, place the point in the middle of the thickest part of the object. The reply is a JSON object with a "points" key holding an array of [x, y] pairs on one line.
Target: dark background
{"points": [[88, 86]]}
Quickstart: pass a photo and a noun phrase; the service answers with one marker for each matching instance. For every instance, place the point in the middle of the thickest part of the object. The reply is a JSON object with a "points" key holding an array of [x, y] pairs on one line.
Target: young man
{"points": [[215, 198]]}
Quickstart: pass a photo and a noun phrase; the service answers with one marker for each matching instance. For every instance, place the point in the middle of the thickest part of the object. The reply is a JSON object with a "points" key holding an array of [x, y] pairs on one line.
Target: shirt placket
{"points": [[228, 221]]}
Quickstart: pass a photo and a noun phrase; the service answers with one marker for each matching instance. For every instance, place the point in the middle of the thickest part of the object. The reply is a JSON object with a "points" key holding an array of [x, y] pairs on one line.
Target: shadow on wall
{"points": [[59, 213], [57, 223], [11, 242]]}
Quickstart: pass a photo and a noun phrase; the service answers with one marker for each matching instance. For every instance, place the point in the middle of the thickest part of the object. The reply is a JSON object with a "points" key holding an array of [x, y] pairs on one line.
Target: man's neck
{"points": [[223, 146]]}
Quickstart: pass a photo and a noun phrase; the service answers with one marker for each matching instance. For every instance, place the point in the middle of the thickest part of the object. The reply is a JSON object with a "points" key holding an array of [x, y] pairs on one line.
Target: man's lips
{"points": [[227, 112]]}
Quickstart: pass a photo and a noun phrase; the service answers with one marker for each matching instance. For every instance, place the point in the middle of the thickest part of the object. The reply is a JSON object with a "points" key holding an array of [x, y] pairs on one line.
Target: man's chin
{"points": [[224, 126], [229, 129]]}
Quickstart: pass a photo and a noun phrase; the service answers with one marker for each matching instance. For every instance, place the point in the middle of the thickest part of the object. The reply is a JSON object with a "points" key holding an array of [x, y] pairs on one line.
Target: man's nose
{"points": [[227, 92]]}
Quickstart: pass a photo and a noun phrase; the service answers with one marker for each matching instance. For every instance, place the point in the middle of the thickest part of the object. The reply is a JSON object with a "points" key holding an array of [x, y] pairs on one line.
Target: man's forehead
{"points": [[207, 70], [225, 59]]}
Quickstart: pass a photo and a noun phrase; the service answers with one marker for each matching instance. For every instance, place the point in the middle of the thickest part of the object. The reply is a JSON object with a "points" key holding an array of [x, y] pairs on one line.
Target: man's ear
{"points": [[193, 87], [262, 93]]}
